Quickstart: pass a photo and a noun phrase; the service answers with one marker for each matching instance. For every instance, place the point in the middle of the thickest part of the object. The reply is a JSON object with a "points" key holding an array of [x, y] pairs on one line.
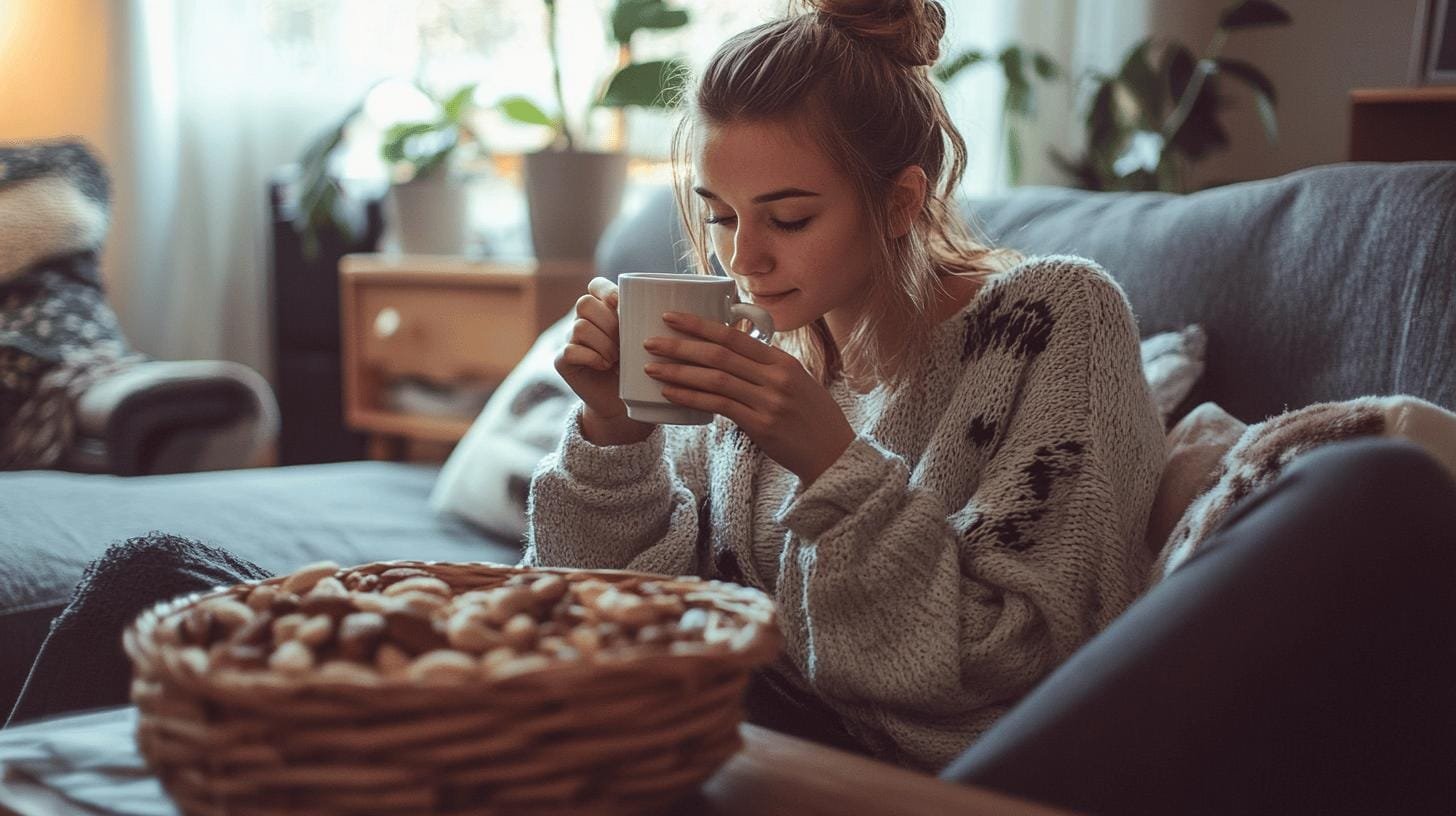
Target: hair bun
{"points": [[908, 30]]}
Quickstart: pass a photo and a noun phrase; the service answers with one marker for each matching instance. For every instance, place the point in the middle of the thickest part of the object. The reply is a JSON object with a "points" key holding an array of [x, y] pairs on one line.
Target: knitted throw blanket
{"points": [[986, 521], [57, 333], [1265, 449]]}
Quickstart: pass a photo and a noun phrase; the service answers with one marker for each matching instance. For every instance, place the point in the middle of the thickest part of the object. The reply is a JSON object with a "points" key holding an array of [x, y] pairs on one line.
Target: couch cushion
{"points": [[1325, 284], [52, 524]]}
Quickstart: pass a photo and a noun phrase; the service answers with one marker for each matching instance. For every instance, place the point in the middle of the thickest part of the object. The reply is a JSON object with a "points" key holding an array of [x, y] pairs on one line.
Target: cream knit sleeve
{"points": [[921, 604], [618, 507]]}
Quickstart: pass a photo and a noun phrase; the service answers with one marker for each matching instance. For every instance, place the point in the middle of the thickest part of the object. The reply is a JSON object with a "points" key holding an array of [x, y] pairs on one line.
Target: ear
{"points": [[907, 197]]}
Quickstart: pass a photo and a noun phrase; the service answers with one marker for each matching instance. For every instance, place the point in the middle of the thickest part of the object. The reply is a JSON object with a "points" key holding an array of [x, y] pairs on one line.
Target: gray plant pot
{"points": [[432, 215], [572, 196]]}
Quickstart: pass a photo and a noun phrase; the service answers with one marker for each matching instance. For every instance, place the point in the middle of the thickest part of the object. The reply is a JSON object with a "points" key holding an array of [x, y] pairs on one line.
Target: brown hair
{"points": [[854, 76]]}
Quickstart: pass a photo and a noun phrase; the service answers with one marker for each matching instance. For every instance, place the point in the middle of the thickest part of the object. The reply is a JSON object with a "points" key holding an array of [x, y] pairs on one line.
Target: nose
{"points": [[751, 254]]}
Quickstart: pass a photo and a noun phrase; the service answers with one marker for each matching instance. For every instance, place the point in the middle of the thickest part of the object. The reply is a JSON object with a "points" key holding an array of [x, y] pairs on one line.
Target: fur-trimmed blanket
{"points": [[1265, 449], [57, 333]]}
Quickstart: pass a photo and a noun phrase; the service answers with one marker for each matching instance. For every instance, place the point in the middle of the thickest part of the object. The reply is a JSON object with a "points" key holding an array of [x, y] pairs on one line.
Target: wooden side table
{"points": [[1403, 124], [444, 320]]}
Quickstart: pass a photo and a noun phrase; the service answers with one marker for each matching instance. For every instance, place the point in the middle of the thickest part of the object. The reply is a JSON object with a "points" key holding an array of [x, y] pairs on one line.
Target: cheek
{"points": [[721, 242]]}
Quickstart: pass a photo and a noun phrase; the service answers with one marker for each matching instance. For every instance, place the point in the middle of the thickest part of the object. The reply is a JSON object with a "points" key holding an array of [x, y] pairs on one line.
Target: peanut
{"points": [[468, 631], [261, 597], [422, 604], [292, 657], [420, 583], [316, 631], [359, 635], [412, 633], [548, 588], [286, 627], [520, 632], [442, 666], [304, 578], [520, 665], [507, 602], [347, 671], [391, 660], [330, 586], [585, 640], [625, 608]]}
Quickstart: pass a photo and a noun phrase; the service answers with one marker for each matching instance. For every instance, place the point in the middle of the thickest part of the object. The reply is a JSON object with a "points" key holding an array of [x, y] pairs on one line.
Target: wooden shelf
{"points": [[1403, 124], [443, 320]]}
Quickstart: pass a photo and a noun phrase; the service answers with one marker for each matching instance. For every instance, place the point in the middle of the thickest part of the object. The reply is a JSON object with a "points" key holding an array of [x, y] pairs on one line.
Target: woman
{"points": [[943, 472]]}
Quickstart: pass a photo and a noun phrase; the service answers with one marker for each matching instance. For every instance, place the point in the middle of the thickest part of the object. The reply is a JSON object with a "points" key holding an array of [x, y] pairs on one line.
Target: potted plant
{"points": [[573, 192], [1019, 101], [1158, 115], [426, 160]]}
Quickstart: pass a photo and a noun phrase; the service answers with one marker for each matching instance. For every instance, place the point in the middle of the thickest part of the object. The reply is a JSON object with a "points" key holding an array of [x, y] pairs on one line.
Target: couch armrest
{"points": [[173, 417]]}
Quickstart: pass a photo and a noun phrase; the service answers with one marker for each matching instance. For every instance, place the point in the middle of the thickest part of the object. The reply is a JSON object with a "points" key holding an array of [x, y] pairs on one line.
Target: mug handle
{"points": [[763, 327]]}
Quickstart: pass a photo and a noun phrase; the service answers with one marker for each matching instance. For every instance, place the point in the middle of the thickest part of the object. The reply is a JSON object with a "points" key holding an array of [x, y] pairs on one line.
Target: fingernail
{"points": [[671, 317], [651, 343], [652, 368]]}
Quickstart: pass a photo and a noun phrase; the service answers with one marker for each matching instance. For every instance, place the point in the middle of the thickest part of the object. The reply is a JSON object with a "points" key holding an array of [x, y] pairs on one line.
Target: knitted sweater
{"points": [[987, 519]]}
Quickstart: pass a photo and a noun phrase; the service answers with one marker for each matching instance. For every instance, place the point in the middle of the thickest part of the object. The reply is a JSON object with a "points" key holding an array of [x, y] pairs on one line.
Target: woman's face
{"points": [[785, 223]]}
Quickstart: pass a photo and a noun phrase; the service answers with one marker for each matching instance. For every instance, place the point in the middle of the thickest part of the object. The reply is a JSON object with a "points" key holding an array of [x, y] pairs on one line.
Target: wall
{"points": [[1332, 47], [53, 59]]}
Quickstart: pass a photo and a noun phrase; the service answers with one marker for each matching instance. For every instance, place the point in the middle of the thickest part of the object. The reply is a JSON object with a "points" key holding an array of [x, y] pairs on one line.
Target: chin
{"points": [[786, 320]]}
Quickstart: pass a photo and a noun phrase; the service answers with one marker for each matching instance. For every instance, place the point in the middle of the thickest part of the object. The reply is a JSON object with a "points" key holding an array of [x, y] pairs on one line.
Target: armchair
{"points": [[73, 394]]}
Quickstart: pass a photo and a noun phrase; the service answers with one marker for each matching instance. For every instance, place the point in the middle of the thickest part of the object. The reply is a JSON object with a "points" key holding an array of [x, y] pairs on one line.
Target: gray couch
{"points": [[1329, 283]]}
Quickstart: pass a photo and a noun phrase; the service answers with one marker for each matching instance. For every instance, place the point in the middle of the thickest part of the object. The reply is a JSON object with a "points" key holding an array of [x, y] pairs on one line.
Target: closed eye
{"points": [[791, 226]]}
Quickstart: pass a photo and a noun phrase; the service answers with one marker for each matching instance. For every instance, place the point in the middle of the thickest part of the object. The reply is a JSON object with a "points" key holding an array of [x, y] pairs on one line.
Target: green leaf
{"points": [[1252, 14], [645, 84], [1018, 100], [946, 70], [1249, 75], [1102, 128], [398, 136], [459, 102], [1178, 65], [1201, 132], [1013, 155], [525, 111], [631, 16], [1138, 76], [1046, 67]]}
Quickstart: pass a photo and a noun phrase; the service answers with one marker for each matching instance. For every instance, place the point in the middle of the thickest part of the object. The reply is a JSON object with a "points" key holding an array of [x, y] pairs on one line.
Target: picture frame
{"points": [[1433, 50]]}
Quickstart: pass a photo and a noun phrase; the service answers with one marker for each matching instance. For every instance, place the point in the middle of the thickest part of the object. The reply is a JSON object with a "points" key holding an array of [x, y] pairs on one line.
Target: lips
{"points": [[770, 297]]}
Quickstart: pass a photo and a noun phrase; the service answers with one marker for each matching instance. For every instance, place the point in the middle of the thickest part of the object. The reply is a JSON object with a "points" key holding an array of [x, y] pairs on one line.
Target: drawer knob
{"points": [[386, 323]]}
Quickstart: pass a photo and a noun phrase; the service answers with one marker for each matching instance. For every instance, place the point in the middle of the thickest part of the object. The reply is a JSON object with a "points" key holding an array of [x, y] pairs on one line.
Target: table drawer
{"points": [[443, 333]]}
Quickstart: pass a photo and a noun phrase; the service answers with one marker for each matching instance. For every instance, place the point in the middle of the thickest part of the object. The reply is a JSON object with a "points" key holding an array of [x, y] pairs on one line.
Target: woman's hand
{"points": [[588, 363], [763, 390]]}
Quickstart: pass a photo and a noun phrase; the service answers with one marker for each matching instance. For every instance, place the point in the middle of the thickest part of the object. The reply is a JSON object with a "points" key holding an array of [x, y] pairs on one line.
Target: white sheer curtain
{"points": [[210, 98]]}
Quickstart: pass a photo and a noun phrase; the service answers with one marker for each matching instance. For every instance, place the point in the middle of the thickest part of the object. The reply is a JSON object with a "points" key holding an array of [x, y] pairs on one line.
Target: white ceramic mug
{"points": [[642, 297]]}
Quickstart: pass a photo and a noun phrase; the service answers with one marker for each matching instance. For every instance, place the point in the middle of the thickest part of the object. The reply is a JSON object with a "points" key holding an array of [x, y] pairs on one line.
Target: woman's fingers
{"points": [[605, 291], [576, 354], [591, 307], [588, 334], [708, 380], [723, 335], [709, 355]]}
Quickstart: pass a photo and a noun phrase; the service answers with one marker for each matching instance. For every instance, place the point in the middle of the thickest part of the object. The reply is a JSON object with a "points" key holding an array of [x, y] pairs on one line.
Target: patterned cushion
{"points": [[1172, 365]]}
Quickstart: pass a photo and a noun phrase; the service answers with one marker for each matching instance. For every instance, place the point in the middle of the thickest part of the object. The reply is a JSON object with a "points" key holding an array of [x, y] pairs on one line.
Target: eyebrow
{"points": [[776, 195]]}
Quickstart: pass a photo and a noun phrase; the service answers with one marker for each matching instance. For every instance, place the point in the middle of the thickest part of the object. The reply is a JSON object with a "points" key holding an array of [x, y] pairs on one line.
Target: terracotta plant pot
{"points": [[572, 196]]}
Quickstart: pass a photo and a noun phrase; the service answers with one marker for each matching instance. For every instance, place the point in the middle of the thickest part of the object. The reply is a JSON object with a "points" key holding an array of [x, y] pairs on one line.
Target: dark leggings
{"points": [[1301, 663]]}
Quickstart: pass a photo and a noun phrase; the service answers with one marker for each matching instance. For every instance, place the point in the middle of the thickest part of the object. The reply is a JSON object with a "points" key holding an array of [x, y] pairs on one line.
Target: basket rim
{"points": [[760, 648]]}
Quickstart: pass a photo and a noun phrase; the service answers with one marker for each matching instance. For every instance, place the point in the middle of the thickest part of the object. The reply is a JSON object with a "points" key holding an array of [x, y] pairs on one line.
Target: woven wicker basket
{"points": [[626, 731]]}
